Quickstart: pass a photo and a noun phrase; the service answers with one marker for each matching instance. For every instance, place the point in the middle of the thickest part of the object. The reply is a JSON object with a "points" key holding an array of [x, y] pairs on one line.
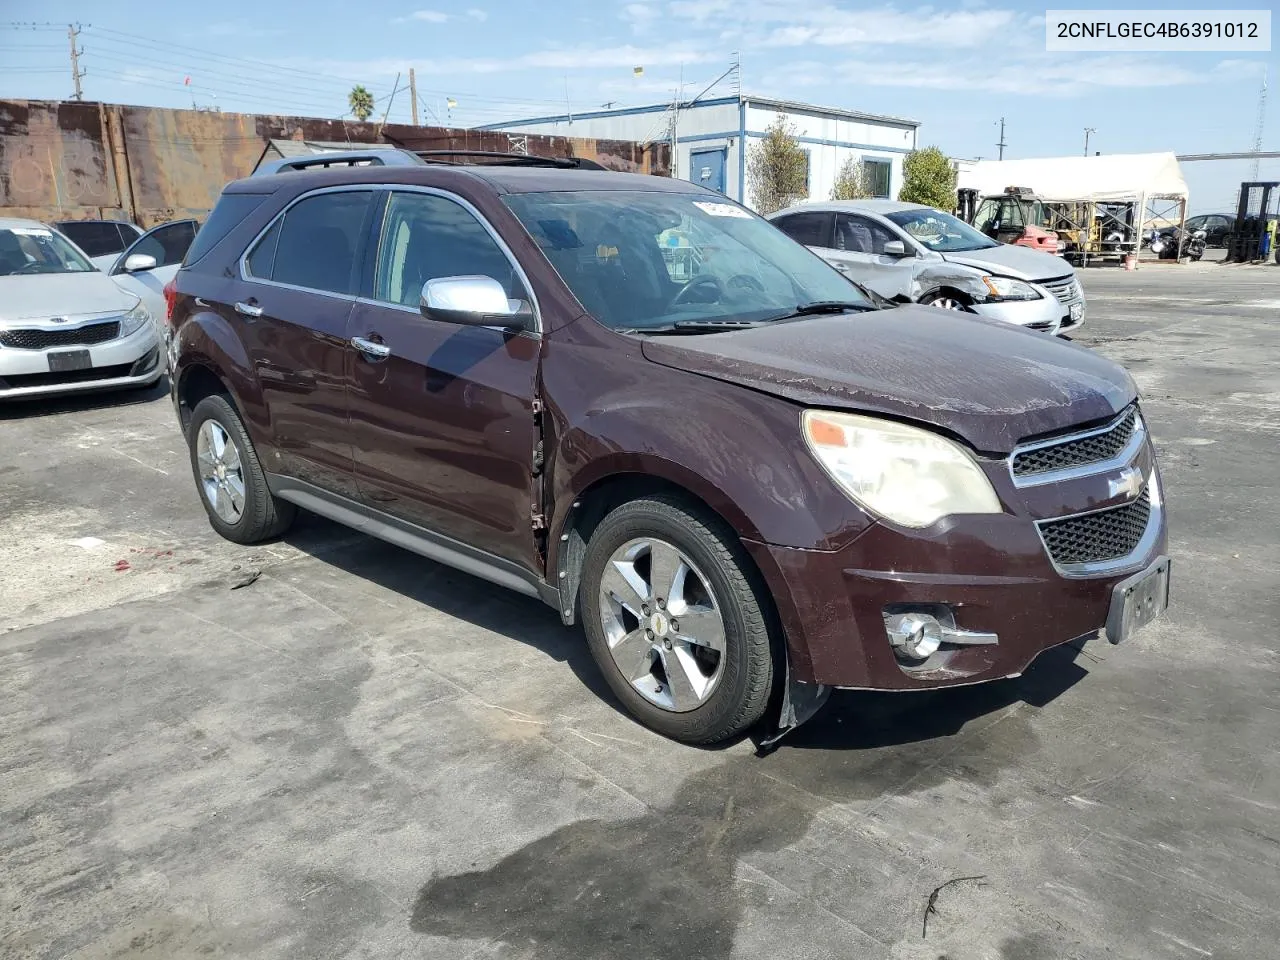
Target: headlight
{"points": [[134, 319], [1006, 288], [904, 474]]}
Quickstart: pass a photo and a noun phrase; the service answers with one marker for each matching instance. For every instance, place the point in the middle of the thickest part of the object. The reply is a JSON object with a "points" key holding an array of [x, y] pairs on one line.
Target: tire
{"points": [[260, 516], [717, 581], [948, 301]]}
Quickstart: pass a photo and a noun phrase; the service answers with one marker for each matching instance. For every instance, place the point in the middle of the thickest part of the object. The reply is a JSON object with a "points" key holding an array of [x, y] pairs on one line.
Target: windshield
{"points": [[940, 232], [641, 260], [28, 250]]}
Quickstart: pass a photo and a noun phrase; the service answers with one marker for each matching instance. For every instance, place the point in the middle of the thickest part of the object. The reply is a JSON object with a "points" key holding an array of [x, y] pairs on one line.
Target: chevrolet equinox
{"points": [[641, 403]]}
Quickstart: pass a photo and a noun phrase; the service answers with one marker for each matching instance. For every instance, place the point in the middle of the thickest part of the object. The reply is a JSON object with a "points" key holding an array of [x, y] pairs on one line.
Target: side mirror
{"points": [[139, 263], [474, 301], [895, 248]]}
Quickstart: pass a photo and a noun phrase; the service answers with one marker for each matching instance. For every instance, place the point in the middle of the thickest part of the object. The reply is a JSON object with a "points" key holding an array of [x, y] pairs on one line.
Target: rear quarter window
{"points": [[231, 209]]}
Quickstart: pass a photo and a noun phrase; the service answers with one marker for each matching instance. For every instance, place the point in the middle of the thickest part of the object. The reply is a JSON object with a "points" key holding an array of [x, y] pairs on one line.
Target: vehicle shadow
{"points": [[23, 409], [851, 721]]}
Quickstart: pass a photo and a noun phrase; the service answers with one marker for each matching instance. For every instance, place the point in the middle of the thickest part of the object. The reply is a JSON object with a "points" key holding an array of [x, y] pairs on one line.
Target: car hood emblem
{"points": [[58, 319], [1129, 483]]}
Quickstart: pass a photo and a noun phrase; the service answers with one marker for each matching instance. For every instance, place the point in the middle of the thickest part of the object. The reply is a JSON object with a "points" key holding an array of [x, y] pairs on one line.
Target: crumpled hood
{"points": [[40, 296], [992, 383], [1011, 261]]}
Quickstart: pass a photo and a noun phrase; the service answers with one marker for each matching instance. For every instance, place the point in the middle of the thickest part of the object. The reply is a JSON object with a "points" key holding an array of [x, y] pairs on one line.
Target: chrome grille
{"points": [[1066, 289], [32, 338], [1095, 447], [1110, 534]]}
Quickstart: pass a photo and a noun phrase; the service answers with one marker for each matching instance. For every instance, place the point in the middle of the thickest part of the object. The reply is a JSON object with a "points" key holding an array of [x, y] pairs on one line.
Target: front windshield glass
{"points": [[646, 260], [28, 250], [940, 232]]}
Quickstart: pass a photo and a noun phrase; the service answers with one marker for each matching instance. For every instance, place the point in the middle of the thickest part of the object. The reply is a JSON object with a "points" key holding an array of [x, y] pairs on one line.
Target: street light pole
{"points": [[1087, 131]]}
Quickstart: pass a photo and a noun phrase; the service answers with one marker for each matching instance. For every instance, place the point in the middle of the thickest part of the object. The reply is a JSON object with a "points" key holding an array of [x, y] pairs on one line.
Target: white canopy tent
{"points": [[1136, 178]]}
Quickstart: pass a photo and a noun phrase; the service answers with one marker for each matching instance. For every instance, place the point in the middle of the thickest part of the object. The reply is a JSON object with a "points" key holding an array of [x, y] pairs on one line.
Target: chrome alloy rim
{"points": [[663, 624], [946, 303], [221, 474]]}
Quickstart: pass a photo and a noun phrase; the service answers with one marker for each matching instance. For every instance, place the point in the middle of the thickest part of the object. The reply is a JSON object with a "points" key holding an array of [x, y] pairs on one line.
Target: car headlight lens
{"points": [[904, 474], [134, 319], [1007, 288]]}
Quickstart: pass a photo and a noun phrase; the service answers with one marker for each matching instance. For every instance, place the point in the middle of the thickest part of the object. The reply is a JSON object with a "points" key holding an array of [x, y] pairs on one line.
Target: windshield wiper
{"points": [[828, 306]]}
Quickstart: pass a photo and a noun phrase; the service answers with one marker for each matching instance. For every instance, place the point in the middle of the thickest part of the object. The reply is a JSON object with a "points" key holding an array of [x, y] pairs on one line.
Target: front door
{"points": [[443, 425], [860, 253], [168, 243], [706, 168], [291, 311]]}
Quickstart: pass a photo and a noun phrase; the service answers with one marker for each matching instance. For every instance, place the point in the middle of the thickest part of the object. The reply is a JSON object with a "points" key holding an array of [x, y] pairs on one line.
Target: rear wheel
{"points": [[675, 621], [232, 485]]}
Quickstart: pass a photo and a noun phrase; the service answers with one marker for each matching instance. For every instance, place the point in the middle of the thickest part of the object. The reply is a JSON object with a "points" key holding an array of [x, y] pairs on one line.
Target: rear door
{"points": [[292, 302], [168, 243], [859, 253], [442, 419]]}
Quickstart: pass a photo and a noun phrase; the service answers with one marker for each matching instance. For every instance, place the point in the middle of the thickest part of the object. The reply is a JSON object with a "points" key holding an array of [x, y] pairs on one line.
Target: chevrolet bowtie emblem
{"points": [[1129, 483]]}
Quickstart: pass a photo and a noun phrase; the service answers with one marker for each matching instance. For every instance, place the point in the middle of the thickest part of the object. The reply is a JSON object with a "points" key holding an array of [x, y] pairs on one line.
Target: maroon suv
{"points": [[648, 407]]}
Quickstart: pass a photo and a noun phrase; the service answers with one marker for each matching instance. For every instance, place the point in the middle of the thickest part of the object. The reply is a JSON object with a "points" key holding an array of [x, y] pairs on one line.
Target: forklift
{"points": [[1257, 219]]}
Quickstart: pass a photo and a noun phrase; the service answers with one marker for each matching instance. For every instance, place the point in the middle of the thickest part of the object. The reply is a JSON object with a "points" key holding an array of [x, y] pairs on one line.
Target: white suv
{"points": [[912, 253]]}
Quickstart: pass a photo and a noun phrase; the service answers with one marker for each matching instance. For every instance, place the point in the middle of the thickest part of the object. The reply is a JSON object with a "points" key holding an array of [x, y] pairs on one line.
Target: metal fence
{"points": [[70, 160]]}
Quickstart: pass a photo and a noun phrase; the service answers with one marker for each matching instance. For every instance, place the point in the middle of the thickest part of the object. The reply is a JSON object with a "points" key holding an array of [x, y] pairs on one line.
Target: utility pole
{"points": [[1001, 144], [1087, 131], [73, 31], [1257, 130], [413, 96]]}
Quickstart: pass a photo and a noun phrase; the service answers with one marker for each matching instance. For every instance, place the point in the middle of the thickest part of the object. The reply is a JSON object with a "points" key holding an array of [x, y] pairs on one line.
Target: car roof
{"points": [[503, 179], [9, 222], [871, 205]]}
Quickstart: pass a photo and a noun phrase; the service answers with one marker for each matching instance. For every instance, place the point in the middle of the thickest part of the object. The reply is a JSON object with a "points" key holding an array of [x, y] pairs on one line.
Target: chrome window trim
{"points": [[1122, 458], [242, 264], [394, 188], [1132, 560]]}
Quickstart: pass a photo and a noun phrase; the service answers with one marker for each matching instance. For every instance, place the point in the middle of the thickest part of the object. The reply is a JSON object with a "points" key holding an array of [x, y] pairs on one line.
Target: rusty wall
{"points": [[65, 160]]}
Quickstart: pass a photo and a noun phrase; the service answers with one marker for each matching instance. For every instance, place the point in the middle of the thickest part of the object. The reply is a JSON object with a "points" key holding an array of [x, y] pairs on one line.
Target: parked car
{"points": [[744, 483], [152, 261], [1216, 226], [913, 253], [64, 326], [101, 240]]}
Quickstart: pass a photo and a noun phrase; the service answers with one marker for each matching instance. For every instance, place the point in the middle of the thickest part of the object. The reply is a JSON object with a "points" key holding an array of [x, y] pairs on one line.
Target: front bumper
{"points": [[129, 361], [992, 573], [1048, 314]]}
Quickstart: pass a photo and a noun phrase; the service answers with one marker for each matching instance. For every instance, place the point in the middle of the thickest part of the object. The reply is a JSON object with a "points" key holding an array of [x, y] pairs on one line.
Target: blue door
{"points": [[706, 167]]}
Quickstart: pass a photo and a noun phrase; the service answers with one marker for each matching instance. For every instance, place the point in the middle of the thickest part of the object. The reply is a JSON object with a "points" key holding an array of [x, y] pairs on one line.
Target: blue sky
{"points": [[956, 68]]}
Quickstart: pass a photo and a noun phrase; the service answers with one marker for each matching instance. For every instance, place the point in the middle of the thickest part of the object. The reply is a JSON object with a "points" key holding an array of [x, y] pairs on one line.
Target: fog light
{"points": [[917, 635]]}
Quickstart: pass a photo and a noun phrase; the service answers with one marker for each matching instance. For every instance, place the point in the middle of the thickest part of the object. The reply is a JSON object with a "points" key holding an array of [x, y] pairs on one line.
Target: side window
{"points": [[425, 237], [316, 244], [860, 235], [167, 243], [812, 229]]}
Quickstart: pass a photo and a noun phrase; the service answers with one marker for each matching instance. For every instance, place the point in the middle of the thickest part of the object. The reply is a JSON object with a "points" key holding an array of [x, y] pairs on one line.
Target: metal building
{"points": [[713, 136]]}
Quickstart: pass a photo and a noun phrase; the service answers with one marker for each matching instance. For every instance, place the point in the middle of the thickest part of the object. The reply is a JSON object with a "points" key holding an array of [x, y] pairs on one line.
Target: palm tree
{"points": [[361, 102]]}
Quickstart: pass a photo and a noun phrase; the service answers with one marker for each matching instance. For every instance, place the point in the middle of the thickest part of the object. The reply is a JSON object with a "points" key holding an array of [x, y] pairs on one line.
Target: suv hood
{"points": [[1010, 261], [991, 383], [40, 296]]}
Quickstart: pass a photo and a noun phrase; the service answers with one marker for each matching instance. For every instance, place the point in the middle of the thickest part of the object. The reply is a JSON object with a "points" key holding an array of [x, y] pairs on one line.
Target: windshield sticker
{"points": [[721, 209], [31, 231]]}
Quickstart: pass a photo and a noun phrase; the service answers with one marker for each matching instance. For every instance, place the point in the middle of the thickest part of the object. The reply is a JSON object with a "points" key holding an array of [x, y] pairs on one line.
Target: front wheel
{"points": [[948, 301], [676, 621]]}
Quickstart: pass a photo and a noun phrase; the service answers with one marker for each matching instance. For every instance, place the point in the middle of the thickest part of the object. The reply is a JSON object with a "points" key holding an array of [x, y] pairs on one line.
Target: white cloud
{"points": [[641, 16], [475, 13], [427, 16], [1038, 77]]}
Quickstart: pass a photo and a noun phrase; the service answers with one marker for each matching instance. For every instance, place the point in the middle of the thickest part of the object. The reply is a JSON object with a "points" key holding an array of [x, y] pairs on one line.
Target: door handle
{"points": [[371, 349], [248, 309]]}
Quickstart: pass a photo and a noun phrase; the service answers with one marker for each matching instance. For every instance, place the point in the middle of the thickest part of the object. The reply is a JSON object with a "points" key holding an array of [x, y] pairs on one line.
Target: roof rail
{"points": [[388, 157], [504, 159]]}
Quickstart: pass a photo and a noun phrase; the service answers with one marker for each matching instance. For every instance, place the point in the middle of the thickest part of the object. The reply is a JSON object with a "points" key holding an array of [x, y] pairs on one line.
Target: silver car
{"points": [[909, 252], [64, 325]]}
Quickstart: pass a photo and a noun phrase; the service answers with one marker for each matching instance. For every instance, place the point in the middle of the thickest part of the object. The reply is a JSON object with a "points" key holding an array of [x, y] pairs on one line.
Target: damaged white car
{"points": [[912, 253]]}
